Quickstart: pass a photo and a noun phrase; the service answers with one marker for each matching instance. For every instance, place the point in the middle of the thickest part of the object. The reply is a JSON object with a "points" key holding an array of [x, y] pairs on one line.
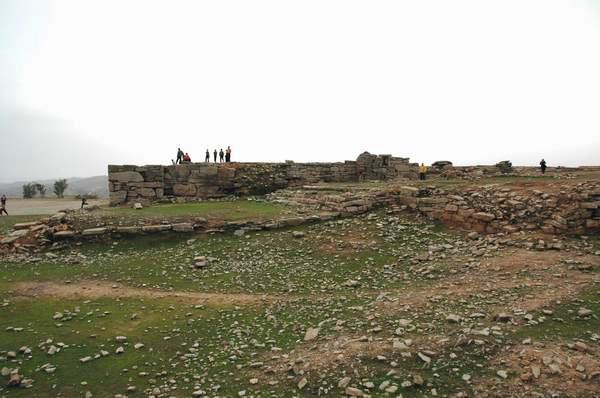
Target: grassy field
{"points": [[234, 210], [237, 327], [227, 210]]}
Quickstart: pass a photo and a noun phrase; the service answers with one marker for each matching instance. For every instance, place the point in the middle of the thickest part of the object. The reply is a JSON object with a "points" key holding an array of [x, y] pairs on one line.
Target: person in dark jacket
{"points": [[207, 157], [215, 155], [179, 156], [543, 166], [3, 205], [221, 156]]}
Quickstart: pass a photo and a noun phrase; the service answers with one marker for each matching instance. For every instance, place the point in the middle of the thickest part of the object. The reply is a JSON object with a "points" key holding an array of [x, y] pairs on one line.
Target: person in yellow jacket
{"points": [[422, 171]]}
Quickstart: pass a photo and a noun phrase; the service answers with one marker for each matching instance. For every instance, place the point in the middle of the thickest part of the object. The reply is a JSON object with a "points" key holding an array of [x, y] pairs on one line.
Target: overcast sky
{"points": [[88, 83]]}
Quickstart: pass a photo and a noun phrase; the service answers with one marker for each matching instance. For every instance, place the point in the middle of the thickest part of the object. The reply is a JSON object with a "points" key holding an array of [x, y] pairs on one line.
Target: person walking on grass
{"points": [[543, 166], [3, 205], [422, 171], [215, 155], [207, 157], [221, 155]]}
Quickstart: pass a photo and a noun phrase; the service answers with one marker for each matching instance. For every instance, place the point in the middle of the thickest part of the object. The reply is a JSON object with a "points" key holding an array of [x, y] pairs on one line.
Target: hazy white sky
{"points": [[87, 83]]}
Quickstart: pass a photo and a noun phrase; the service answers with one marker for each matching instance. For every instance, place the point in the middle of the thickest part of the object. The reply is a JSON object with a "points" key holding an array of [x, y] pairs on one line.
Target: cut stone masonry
{"points": [[192, 181]]}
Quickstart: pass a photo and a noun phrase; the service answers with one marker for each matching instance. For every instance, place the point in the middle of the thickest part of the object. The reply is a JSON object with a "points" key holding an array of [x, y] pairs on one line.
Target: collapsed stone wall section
{"points": [[572, 211], [488, 210]]}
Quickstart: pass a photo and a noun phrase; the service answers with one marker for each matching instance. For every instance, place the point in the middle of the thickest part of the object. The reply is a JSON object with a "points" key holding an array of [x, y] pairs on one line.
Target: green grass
{"points": [[564, 323], [227, 210], [263, 262], [305, 279], [310, 279], [7, 222], [167, 330]]}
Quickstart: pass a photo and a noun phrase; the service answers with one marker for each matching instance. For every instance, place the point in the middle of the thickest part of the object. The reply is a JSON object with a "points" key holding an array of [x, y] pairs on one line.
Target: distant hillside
{"points": [[97, 185]]}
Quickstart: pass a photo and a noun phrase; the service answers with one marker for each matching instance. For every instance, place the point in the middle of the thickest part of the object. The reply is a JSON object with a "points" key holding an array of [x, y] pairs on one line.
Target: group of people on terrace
{"points": [[224, 156]]}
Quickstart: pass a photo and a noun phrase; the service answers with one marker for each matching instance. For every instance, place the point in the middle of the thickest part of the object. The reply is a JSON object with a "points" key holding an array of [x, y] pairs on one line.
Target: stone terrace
{"points": [[146, 184]]}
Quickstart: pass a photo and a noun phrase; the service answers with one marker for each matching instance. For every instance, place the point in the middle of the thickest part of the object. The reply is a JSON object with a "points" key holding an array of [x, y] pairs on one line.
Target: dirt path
{"points": [[97, 289], [541, 276], [23, 207]]}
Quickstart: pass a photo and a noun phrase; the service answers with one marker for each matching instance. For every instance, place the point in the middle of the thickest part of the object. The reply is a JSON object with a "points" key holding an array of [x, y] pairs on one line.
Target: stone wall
{"points": [[573, 209], [191, 181], [570, 209]]}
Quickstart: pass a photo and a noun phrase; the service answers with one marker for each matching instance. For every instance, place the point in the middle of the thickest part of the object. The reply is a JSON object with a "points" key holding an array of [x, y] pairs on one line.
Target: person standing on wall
{"points": [[543, 166], [207, 157], [422, 171], [215, 155], [228, 154], [221, 155], [179, 156]]}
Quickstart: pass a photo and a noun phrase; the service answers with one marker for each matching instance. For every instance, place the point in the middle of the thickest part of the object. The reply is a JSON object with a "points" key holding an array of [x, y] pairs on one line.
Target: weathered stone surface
{"points": [[183, 227], [156, 228], [94, 231], [19, 233], [125, 176], [117, 197], [9, 239], [184, 189], [484, 216], [26, 225], [129, 230], [64, 234], [128, 183]]}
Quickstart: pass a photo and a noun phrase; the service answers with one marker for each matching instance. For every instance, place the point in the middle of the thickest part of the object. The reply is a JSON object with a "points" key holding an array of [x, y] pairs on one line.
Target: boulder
{"points": [[440, 164], [505, 166]]}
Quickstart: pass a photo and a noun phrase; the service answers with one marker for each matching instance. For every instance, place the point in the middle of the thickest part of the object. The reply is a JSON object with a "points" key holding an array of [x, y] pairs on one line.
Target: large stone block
{"points": [[181, 172], [183, 227], [125, 176], [146, 192], [225, 173], [117, 197], [484, 216], [206, 171], [184, 190], [156, 228], [134, 229], [26, 225], [94, 231]]}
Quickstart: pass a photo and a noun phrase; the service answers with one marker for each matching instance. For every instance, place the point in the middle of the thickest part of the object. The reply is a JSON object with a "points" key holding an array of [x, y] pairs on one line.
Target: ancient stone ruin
{"points": [[147, 184]]}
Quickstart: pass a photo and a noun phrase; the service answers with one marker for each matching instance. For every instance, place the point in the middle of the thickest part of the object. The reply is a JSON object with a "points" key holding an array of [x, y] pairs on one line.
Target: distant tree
{"points": [[41, 188], [29, 191], [60, 186]]}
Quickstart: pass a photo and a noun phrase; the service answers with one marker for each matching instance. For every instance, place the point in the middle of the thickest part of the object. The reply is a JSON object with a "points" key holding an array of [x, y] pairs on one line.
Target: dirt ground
{"points": [[23, 207], [96, 289]]}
